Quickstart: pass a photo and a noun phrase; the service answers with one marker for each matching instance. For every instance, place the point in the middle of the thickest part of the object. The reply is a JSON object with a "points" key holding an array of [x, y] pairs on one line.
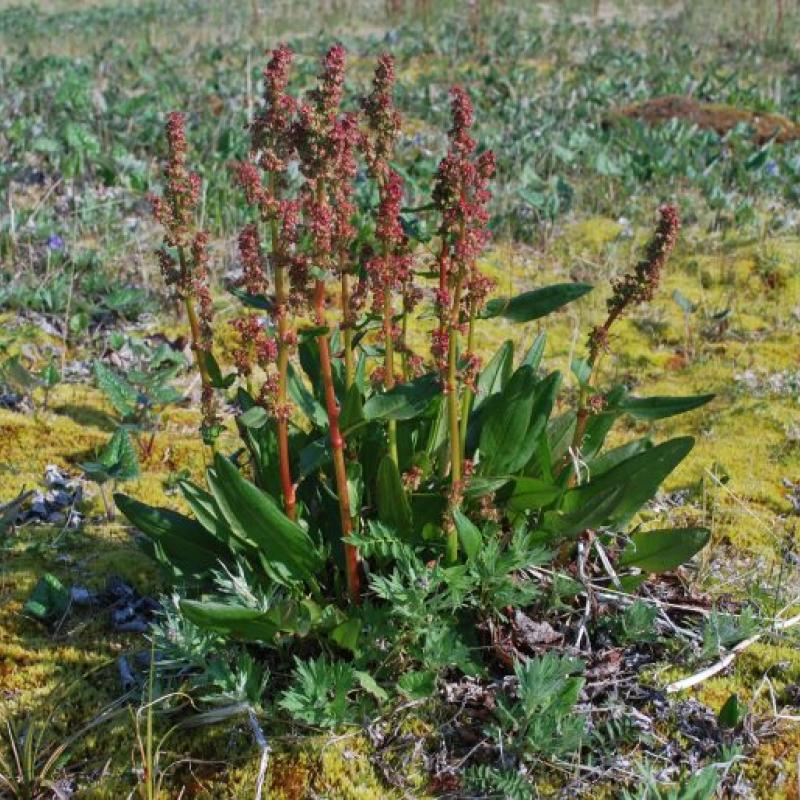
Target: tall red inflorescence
{"points": [[257, 346], [640, 285], [461, 193], [184, 254], [390, 269], [263, 180], [324, 141], [382, 117]]}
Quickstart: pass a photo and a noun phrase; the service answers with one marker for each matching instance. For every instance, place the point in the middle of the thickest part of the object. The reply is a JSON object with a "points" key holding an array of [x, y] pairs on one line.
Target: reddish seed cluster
{"points": [[345, 139], [412, 478], [470, 367], [249, 179], [324, 141], [315, 130], [457, 489], [257, 347], [184, 256], [262, 178], [296, 262], [461, 193], [175, 211], [270, 129], [389, 270], [461, 185], [253, 279], [440, 344], [640, 285], [271, 144], [199, 289], [487, 508], [382, 117]]}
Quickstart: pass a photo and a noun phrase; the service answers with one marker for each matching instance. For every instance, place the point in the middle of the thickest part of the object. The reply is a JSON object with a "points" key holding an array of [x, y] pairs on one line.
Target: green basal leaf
{"points": [[262, 444], [610, 458], [537, 303], [352, 409], [218, 380], [187, 545], [637, 478], [559, 435], [480, 486], [314, 456], [581, 370], [532, 493], [502, 439], [259, 301], [468, 534], [663, 550], [240, 622], [495, 374], [533, 358], [405, 401], [287, 550], [393, 506], [651, 408], [591, 514], [306, 401], [516, 422], [597, 429], [313, 331], [206, 512], [346, 634]]}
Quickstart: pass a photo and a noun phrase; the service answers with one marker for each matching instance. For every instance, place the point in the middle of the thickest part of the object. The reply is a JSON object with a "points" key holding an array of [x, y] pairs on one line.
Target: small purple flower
{"points": [[772, 169], [55, 242]]}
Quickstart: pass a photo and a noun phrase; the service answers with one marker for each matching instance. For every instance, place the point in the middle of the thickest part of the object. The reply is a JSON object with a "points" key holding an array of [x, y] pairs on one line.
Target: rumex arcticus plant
{"points": [[391, 516]]}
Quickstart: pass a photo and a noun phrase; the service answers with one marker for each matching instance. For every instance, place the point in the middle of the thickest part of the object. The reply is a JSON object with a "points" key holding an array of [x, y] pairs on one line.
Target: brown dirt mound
{"points": [[720, 118]]}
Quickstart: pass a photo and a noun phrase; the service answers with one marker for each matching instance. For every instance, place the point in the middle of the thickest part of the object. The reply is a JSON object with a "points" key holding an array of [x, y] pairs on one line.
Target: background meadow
{"points": [[598, 113]]}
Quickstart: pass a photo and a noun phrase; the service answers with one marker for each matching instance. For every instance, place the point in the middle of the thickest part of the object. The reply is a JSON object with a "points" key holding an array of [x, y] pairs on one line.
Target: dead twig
{"points": [[728, 659]]}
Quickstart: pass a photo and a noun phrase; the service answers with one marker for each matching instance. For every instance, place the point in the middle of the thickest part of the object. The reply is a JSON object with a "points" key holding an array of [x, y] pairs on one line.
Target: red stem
{"points": [[284, 464], [337, 446]]}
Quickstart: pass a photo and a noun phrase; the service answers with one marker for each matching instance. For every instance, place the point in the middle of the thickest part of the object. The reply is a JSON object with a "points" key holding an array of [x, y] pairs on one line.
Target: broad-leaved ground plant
{"points": [[388, 510]]}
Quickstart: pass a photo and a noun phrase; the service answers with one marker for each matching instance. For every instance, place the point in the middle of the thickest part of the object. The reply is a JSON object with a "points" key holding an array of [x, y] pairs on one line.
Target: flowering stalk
{"points": [[388, 273], [461, 194], [325, 142], [345, 138], [337, 446], [286, 341], [636, 287], [347, 328], [272, 147], [390, 269], [189, 273], [468, 394]]}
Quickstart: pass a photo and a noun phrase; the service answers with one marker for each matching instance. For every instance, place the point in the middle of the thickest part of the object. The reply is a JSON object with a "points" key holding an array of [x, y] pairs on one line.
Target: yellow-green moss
{"points": [[747, 514]]}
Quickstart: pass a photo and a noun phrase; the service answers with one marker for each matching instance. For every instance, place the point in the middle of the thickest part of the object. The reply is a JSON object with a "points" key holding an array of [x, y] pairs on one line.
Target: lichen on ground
{"points": [[738, 492]]}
